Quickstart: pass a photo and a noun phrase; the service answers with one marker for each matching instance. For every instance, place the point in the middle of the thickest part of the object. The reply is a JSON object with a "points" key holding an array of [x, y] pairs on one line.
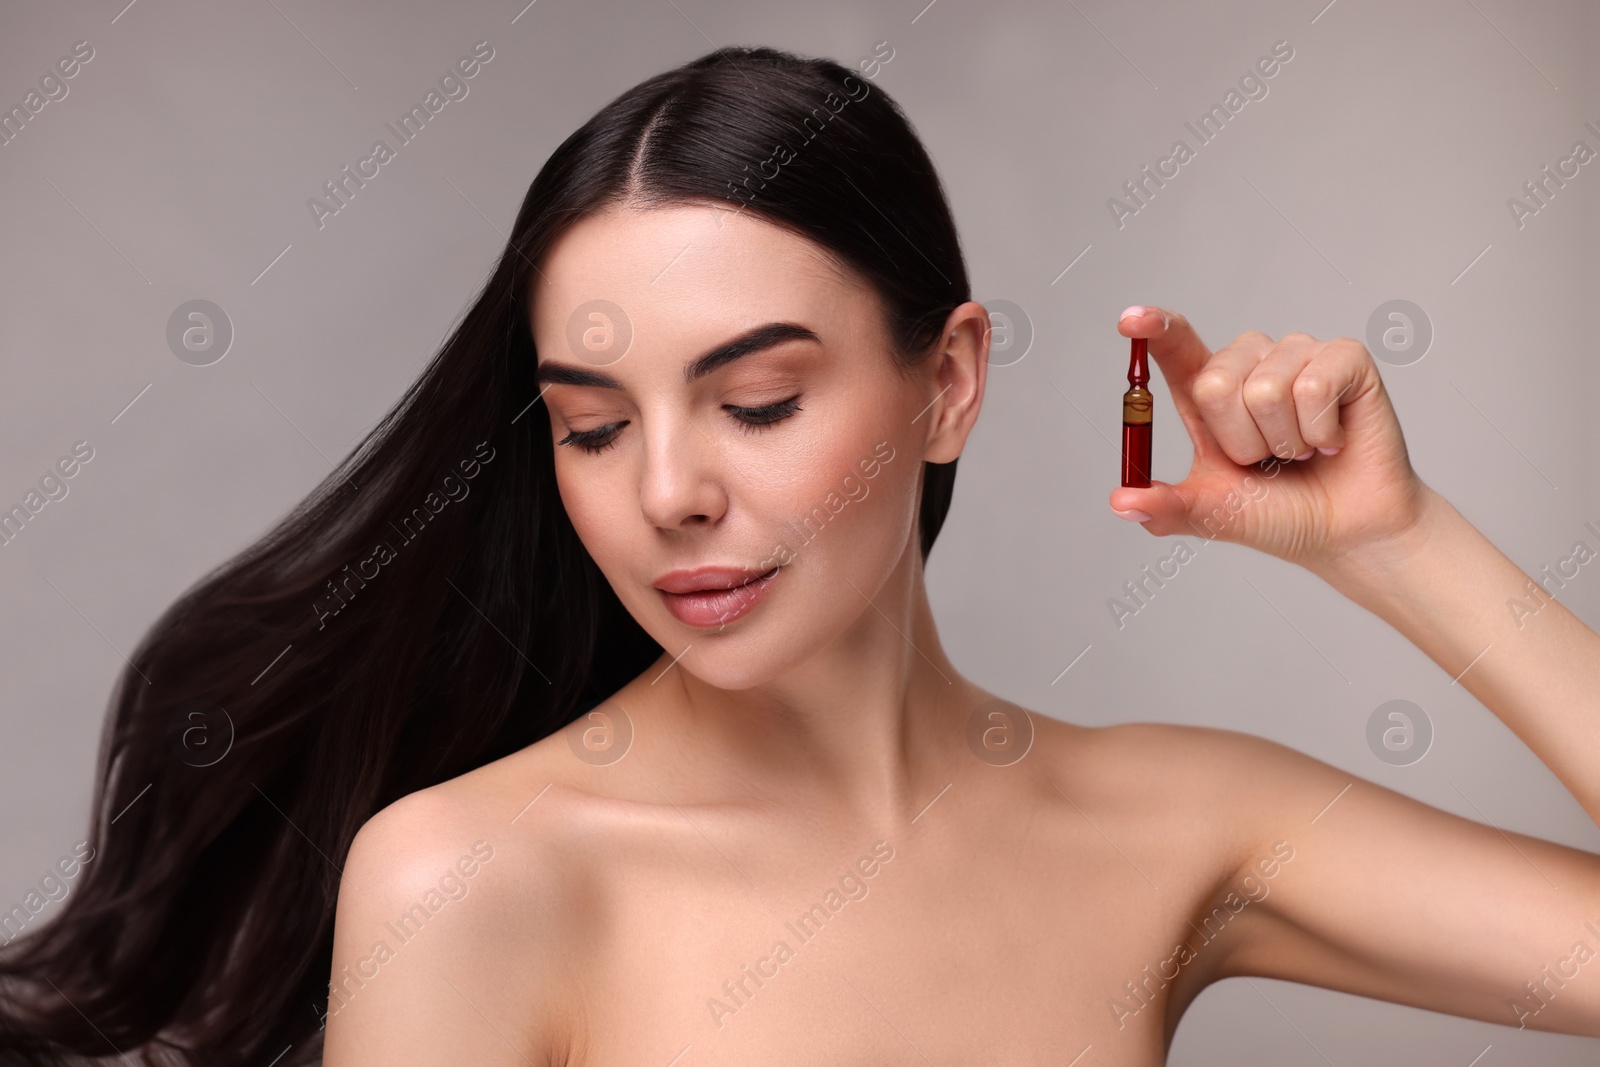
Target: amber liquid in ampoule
{"points": [[1137, 404]]}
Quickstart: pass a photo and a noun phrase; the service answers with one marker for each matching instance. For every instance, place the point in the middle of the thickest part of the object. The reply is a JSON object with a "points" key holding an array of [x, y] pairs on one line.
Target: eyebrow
{"points": [[759, 339]]}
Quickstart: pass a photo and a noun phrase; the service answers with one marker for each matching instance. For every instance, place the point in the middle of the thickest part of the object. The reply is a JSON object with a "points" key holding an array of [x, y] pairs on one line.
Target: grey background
{"points": [[1377, 167]]}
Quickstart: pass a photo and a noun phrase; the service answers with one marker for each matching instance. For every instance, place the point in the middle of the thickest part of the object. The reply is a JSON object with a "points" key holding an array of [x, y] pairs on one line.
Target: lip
{"points": [[714, 596]]}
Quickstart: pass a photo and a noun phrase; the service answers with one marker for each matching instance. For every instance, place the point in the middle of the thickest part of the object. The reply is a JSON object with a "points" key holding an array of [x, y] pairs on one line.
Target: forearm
{"points": [[1451, 592]]}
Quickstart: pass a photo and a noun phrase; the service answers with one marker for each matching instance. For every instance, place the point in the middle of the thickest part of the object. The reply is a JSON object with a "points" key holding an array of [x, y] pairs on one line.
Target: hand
{"points": [[1251, 409]]}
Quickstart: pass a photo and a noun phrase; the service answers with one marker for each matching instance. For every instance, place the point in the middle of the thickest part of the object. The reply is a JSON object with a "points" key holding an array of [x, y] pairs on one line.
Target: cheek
{"points": [[835, 511], [891, 501], [590, 507]]}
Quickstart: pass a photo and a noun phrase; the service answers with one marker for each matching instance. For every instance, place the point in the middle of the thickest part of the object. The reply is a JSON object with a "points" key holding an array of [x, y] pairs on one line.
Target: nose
{"points": [[682, 483]]}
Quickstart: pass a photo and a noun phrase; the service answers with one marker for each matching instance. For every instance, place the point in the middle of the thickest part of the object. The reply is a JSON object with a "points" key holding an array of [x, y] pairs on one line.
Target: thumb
{"points": [[1162, 508]]}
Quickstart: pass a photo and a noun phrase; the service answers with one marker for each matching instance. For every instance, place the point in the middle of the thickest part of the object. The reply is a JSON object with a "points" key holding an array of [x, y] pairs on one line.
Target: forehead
{"points": [[685, 271]]}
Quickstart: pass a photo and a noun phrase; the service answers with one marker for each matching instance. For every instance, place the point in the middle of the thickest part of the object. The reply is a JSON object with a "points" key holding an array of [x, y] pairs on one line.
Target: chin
{"points": [[723, 666], [752, 652]]}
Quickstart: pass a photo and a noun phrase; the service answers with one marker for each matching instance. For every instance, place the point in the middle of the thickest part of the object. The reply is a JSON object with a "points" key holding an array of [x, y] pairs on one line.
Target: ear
{"points": [[956, 371]]}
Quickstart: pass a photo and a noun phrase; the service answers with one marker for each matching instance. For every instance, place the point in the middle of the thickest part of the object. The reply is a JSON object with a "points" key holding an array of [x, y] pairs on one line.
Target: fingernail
{"points": [[1131, 516], [1137, 309], [1306, 453], [1329, 451]]}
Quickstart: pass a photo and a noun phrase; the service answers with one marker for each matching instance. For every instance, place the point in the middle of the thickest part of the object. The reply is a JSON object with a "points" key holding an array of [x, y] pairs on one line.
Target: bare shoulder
{"points": [[456, 929], [1204, 762], [1223, 792]]}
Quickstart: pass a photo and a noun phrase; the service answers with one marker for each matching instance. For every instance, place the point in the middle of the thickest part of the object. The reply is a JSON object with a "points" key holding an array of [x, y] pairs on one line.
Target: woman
{"points": [[612, 642]]}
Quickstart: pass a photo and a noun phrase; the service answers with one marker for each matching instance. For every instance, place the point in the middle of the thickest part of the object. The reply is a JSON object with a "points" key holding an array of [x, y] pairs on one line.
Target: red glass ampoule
{"points": [[1136, 407]]}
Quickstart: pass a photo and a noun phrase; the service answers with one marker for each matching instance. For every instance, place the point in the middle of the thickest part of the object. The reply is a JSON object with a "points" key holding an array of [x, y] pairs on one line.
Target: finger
{"points": [[1165, 508], [1335, 377], [1155, 504], [1269, 397], [1219, 393], [1180, 355]]}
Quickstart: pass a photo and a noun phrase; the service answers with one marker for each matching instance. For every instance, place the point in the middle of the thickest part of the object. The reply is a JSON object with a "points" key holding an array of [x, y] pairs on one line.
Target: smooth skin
{"points": [[651, 864]]}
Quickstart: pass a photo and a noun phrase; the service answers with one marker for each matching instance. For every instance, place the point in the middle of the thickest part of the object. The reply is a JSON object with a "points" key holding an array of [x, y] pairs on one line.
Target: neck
{"points": [[866, 726]]}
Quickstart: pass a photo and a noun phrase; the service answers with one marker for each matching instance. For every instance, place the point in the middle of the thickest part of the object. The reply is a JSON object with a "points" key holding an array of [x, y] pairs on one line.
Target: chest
{"points": [[1026, 946]]}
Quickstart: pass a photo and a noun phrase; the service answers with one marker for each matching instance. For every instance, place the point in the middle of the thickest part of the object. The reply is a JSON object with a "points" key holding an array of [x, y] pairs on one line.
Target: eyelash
{"points": [[751, 420]]}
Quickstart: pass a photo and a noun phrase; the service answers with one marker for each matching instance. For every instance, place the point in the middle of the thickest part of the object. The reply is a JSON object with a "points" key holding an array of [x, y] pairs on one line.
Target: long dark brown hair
{"points": [[428, 608]]}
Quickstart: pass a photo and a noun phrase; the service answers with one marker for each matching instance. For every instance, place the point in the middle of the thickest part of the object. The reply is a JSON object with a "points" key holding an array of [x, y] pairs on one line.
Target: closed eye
{"points": [[750, 419], [753, 419], [597, 440]]}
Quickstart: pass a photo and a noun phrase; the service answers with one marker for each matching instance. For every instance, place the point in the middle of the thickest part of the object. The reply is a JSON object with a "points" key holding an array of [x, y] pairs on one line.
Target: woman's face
{"points": [[793, 466]]}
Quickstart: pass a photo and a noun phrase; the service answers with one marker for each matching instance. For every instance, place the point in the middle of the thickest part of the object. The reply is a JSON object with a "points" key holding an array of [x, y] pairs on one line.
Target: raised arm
{"points": [[1363, 521], [1386, 897], [1494, 630]]}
